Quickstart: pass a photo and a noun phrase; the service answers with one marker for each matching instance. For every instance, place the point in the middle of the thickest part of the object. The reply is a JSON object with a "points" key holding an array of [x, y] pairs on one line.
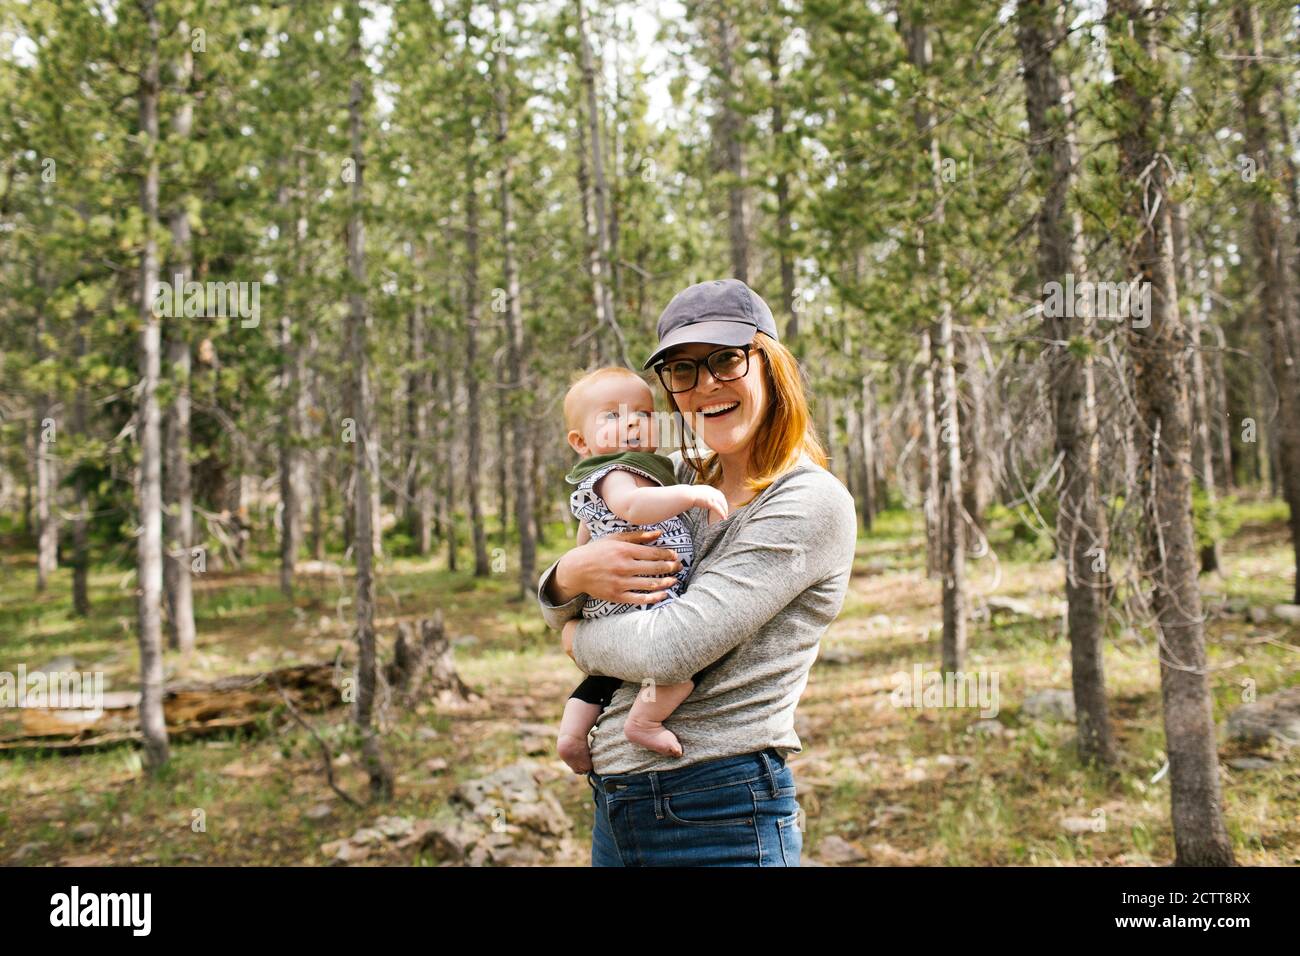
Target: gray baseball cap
{"points": [[719, 312]]}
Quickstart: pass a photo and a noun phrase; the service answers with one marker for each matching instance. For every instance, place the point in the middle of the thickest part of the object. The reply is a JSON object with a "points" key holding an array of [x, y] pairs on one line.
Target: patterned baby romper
{"points": [[588, 506]]}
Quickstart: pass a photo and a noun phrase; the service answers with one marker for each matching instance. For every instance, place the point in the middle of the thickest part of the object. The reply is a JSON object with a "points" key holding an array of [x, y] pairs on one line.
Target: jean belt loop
{"points": [[654, 789], [771, 773]]}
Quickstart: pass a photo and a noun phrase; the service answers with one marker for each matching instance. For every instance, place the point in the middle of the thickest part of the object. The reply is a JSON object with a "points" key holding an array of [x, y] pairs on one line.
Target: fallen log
{"points": [[192, 709]]}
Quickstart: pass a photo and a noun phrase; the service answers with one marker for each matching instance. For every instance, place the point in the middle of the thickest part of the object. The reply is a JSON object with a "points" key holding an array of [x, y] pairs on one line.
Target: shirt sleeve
{"points": [[801, 534], [556, 614]]}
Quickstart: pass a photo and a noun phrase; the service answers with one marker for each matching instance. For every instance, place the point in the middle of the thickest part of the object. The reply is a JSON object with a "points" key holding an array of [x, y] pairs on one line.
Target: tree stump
{"points": [[425, 667]]}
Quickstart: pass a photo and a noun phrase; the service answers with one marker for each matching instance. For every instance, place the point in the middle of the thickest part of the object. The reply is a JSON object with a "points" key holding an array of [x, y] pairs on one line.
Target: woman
{"points": [[767, 581]]}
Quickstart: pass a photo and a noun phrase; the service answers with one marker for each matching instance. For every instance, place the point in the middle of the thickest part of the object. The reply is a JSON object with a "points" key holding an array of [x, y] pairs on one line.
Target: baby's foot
{"points": [[575, 753], [652, 734]]}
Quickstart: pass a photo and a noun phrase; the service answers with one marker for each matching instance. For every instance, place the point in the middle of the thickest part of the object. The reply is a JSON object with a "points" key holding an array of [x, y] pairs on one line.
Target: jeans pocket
{"points": [[791, 832], [730, 805]]}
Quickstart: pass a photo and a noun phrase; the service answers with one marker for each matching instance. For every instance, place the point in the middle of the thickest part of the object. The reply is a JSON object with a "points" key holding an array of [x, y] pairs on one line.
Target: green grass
{"points": [[861, 755]]}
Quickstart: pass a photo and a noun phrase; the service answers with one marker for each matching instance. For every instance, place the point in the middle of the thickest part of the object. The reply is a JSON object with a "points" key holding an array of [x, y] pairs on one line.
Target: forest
{"points": [[291, 293]]}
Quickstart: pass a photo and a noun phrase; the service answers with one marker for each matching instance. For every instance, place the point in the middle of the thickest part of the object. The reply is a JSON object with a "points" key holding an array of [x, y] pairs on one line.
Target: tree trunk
{"points": [[522, 460], [178, 494], [1157, 347], [418, 501], [153, 727], [473, 426], [867, 437], [782, 189], [1275, 303], [1082, 530], [977, 492], [930, 507], [730, 129], [1202, 450], [450, 417], [363, 461], [503, 477], [320, 458], [291, 424], [80, 524], [949, 518], [601, 261], [47, 522]]}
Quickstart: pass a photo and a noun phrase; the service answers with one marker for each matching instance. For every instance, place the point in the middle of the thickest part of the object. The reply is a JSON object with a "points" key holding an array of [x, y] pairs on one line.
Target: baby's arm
{"points": [[584, 533], [637, 500]]}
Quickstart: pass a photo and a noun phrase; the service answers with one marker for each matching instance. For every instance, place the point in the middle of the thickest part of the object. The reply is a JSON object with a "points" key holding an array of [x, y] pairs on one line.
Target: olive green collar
{"points": [[655, 465]]}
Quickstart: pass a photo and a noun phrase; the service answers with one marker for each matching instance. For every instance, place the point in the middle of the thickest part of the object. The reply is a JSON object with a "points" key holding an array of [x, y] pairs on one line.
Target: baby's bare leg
{"points": [[579, 717], [644, 724]]}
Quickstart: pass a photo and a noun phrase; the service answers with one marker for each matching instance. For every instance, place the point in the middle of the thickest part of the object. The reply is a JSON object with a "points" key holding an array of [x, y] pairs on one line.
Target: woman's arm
{"points": [[617, 567], [802, 533]]}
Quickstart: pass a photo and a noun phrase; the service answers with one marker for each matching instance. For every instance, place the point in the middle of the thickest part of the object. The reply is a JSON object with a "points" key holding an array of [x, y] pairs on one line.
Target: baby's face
{"points": [[617, 415]]}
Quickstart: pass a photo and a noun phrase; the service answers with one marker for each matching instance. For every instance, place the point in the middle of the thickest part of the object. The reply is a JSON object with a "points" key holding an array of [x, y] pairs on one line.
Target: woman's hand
{"points": [[619, 568], [569, 627]]}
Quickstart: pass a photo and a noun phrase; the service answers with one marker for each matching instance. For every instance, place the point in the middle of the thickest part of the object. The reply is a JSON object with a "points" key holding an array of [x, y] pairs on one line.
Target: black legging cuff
{"points": [[600, 690]]}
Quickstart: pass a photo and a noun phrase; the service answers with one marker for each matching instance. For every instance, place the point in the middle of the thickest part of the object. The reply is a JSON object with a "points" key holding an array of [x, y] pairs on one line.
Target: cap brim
{"points": [[720, 332]]}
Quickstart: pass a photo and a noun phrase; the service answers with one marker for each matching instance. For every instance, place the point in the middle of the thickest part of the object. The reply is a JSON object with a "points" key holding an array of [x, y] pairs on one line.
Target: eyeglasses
{"points": [[725, 364]]}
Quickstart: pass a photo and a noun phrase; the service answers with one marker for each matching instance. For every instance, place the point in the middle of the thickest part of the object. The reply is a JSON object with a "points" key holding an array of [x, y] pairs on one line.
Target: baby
{"points": [[620, 487]]}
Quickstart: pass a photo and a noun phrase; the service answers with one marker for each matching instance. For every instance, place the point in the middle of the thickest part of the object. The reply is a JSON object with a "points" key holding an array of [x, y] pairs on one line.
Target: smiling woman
{"points": [[768, 578]]}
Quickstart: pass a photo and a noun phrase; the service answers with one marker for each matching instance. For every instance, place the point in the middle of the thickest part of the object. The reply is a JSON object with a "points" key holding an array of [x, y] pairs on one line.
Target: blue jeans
{"points": [[733, 811]]}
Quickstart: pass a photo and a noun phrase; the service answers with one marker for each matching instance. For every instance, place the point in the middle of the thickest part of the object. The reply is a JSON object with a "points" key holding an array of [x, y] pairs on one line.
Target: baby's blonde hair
{"points": [[584, 379]]}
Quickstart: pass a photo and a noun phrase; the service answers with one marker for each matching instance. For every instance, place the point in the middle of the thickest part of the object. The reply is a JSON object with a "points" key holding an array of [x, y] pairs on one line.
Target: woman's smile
{"points": [[719, 409]]}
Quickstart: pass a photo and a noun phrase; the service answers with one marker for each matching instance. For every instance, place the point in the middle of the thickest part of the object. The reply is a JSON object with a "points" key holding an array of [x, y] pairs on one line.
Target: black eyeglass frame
{"points": [[659, 368]]}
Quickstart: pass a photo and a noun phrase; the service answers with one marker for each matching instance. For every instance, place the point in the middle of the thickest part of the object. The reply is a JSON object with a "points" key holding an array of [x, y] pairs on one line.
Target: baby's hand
{"points": [[706, 496]]}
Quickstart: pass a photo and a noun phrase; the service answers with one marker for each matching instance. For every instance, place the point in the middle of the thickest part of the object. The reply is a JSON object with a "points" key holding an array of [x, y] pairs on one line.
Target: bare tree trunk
{"points": [[503, 479], [373, 444], [949, 517], [539, 489], [867, 437], [31, 435], [730, 129], [601, 262], [931, 491], [522, 461], [1157, 348], [418, 502], [80, 524], [1276, 302], [47, 522], [473, 478], [782, 189], [153, 727], [381, 781], [449, 450], [178, 494], [1203, 452], [292, 393], [1082, 530], [1225, 467], [320, 469], [597, 352], [977, 492]]}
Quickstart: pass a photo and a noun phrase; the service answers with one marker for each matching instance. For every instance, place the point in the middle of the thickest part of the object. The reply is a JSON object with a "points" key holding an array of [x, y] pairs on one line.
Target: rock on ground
{"points": [[1273, 718], [1050, 704]]}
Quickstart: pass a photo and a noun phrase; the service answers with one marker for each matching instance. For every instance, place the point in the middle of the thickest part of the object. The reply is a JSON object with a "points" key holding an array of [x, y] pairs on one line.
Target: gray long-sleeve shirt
{"points": [[768, 580]]}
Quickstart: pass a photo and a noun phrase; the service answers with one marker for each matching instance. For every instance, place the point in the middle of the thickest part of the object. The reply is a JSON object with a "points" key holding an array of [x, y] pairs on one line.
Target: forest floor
{"points": [[879, 784]]}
